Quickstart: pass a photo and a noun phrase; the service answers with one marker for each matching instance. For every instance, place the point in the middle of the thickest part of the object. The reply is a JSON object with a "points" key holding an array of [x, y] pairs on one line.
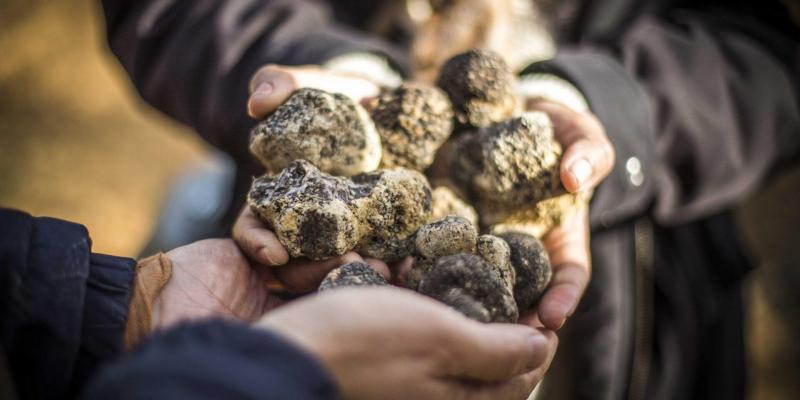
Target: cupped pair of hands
{"points": [[388, 342]]}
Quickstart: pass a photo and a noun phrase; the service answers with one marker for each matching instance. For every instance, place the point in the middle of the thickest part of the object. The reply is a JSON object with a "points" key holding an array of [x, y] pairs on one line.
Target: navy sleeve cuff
{"points": [[105, 313], [216, 360], [624, 108]]}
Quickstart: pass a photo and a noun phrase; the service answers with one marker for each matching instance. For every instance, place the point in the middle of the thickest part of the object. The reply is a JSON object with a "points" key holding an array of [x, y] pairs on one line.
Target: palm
{"points": [[212, 278]]}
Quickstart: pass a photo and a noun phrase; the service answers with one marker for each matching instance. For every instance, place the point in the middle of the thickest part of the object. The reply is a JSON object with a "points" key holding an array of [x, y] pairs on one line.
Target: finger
{"points": [[304, 276], [568, 246], [256, 241], [585, 163], [270, 87], [400, 270], [531, 318], [380, 267], [493, 352], [588, 155], [516, 387]]}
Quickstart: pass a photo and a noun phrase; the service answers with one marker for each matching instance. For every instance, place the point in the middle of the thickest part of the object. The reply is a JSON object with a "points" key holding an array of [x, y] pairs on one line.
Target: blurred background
{"points": [[77, 143]]}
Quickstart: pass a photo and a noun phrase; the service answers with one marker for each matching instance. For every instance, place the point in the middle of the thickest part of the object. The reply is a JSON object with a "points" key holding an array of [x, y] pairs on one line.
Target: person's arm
{"points": [[700, 108], [193, 59], [357, 343], [62, 308], [216, 360]]}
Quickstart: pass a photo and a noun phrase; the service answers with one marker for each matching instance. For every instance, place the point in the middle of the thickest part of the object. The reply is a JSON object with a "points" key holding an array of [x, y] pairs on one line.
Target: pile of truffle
{"points": [[343, 177]]}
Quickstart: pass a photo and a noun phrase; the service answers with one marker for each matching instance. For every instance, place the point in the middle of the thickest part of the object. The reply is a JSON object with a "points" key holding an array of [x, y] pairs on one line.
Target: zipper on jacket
{"points": [[644, 304]]}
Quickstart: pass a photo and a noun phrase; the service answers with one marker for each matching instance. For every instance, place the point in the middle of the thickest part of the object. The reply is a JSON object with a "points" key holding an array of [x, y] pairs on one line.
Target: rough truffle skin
{"points": [[480, 86], [354, 273], [497, 254], [447, 203], [447, 236], [510, 172], [327, 129], [413, 120], [444, 237], [468, 284], [532, 267], [318, 216]]}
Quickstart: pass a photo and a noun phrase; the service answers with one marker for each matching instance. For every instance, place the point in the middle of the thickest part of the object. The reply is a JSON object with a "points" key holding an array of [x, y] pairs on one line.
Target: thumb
{"points": [[269, 88]]}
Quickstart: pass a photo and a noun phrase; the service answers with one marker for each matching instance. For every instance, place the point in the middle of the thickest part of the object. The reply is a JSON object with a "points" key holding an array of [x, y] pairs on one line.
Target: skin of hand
{"points": [[213, 278], [391, 343], [273, 84], [588, 158]]}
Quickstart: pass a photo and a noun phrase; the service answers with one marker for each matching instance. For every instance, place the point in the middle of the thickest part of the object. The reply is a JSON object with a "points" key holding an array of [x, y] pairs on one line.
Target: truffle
{"points": [[446, 203], [327, 129], [480, 86], [354, 273], [497, 254], [318, 216], [413, 120], [468, 284], [447, 236], [510, 171], [531, 266]]}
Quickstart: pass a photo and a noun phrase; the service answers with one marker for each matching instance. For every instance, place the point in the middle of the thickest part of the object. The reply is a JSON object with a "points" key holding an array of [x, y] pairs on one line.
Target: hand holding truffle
{"points": [[587, 159], [389, 343]]}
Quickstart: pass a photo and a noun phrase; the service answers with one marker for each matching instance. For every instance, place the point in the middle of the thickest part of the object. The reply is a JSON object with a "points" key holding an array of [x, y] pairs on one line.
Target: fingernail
{"points": [[263, 90], [264, 254], [581, 170]]}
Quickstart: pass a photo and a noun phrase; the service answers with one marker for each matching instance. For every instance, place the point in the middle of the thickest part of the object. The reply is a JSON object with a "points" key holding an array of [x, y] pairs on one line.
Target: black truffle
{"points": [[413, 120], [354, 273], [532, 267], [480, 86], [466, 283]]}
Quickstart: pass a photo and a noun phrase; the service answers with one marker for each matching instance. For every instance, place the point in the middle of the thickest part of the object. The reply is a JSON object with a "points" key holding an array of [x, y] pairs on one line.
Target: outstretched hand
{"points": [[587, 159]]}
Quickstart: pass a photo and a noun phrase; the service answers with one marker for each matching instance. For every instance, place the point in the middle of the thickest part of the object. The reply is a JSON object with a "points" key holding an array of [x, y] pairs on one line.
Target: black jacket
{"points": [[703, 95], [63, 311]]}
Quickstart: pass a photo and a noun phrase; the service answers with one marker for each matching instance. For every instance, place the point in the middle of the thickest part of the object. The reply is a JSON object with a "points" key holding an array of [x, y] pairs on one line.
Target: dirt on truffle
{"points": [[354, 273], [326, 129], [413, 120], [531, 266], [466, 283], [319, 216]]}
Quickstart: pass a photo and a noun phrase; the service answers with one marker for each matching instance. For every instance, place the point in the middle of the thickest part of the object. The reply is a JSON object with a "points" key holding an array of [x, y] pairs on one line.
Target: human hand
{"points": [[272, 85], [211, 278], [299, 275], [587, 159], [391, 343]]}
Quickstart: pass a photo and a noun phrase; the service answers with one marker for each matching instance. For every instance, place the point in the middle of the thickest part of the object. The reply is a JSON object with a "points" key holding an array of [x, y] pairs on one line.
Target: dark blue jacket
{"points": [[63, 311]]}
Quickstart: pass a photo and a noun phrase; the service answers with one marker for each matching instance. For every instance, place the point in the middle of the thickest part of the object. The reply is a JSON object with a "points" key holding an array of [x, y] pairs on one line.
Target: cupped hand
{"points": [[272, 85], [299, 275], [211, 278], [587, 159], [391, 343]]}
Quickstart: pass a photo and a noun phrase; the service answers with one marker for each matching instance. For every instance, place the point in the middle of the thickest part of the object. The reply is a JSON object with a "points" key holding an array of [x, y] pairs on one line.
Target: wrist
{"points": [[551, 87], [152, 274], [366, 65]]}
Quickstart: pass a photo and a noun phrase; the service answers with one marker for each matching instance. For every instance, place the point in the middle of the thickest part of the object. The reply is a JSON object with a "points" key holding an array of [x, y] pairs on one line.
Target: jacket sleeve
{"points": [[700, 107], [215, 360], [62, 309], [193, 59]]}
